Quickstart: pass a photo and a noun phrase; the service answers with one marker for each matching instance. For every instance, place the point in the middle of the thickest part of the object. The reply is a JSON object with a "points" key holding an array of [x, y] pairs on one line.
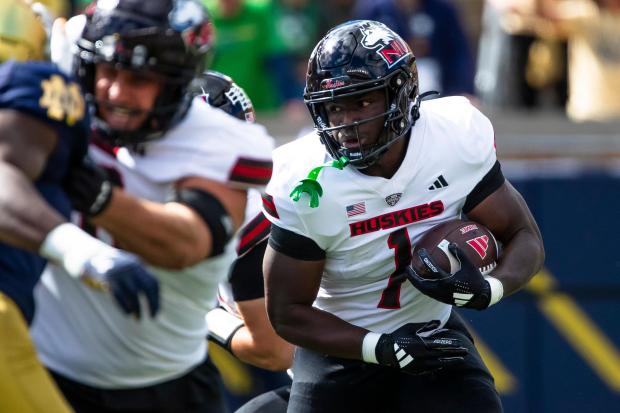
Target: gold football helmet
{"points": [[22, 33]]}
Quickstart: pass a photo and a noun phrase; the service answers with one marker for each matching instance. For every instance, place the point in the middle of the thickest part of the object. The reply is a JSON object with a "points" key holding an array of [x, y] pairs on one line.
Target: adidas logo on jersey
{"points": [[439, 183]]}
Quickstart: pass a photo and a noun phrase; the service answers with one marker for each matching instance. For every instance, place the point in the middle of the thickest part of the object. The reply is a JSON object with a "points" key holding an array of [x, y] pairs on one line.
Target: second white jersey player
{"points": [[209, 144]]}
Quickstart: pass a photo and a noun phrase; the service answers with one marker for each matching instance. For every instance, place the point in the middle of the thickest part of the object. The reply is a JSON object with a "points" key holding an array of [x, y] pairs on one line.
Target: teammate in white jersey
{"points": [[340, 244], [240, 323], [175, 193]]}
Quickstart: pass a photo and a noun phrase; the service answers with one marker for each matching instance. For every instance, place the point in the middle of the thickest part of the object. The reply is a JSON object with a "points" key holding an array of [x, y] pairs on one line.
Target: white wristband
{"points": [[497, 289], [223, 325], [369, 345], [70, 247]]}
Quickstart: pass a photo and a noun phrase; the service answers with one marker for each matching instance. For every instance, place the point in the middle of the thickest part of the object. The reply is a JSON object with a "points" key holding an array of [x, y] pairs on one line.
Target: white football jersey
{"points": [[367, 225], [81, 333]]}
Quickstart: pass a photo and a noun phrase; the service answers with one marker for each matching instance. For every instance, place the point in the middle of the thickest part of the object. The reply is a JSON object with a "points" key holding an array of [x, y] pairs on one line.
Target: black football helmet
{"points": [[168, 37], [355, 58], [222, 92]]}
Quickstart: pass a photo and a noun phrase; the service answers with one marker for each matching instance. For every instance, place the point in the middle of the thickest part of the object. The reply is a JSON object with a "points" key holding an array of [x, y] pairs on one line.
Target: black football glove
{"points": [[465, 288], [405, 348], [89, 188], [123, 274]]}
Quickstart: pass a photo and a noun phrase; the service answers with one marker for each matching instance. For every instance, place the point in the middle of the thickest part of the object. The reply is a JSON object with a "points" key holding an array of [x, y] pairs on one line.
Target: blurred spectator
{"points": [[77, 6], [436, 36], [592, 29], [248, 49], [516, 67], [297, 26]]}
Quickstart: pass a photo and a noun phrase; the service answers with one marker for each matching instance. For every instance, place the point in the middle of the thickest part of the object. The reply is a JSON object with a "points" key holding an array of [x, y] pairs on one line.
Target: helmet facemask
{"points": [[398, 89], [127, 39], [353, 59]]}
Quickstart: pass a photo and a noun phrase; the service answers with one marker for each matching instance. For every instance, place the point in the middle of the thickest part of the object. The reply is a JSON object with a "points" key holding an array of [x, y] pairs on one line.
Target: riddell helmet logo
{"points": [[391, 48], [480, 245], [334, 83]]}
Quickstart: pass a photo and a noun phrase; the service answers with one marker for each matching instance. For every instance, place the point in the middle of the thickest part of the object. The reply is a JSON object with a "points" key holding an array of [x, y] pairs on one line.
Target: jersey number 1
{"points": [[400, 243]]}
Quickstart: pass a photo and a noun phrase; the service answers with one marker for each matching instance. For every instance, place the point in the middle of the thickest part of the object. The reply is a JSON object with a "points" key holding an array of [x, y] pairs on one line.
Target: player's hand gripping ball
{"points": [[450, 263], [475, 241]]}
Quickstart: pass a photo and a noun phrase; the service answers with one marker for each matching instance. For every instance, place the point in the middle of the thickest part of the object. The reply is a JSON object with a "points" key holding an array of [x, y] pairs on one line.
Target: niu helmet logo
{"points": [[390, 47], [480, 245]]}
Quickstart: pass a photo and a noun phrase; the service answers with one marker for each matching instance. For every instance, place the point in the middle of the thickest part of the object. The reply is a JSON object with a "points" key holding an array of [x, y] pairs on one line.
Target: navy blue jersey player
{"points": [[34, 98], [43, 127]]}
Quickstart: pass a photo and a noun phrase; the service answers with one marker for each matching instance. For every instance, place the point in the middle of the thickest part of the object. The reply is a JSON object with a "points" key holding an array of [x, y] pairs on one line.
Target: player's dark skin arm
{"points": [[291, 285], [507, 215], [25, 145]]}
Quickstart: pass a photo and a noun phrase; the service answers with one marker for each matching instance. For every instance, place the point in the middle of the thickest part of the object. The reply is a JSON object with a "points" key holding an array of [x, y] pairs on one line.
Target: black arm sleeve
{"points": [[212, 213], [294, 245], [246, 274], [487, 185]]}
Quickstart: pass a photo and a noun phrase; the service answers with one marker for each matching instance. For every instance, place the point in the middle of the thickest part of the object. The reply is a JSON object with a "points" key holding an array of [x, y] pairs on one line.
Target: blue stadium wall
{"points": [[554, 347]]}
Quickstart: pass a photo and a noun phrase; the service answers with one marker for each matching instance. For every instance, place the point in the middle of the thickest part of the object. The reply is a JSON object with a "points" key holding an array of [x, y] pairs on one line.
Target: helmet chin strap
{"points": [[373, 156], [417, 101], [369, 158], [360, 163], [346, 150]]}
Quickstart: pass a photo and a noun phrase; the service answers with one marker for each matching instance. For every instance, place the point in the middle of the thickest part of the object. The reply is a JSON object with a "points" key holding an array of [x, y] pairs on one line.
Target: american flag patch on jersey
{"points": [[356, 209]]}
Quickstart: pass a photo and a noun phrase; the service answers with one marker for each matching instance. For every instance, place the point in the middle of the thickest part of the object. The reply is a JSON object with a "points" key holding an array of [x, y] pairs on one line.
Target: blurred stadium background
{"points": [[547, 73]]}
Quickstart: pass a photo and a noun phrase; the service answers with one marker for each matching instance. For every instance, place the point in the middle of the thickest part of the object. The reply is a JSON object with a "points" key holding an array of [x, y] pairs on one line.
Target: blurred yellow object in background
{"points": [[22, 34], [545, 63]]}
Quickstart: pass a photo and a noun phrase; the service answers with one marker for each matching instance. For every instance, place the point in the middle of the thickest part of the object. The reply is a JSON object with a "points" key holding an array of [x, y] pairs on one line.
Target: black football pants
{"points": [[323, 384], [198, 391]]}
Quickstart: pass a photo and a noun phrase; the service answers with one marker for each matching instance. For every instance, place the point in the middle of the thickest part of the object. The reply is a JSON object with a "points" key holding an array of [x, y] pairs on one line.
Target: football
{"points": [[475, 240]]}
